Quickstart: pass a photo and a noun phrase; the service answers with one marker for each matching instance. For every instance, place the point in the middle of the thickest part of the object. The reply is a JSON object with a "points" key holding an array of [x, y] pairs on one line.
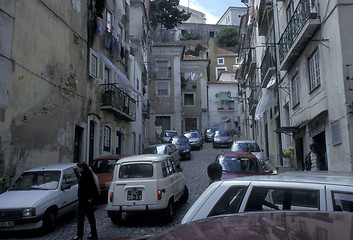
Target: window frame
{"points": [[218, 71], [107, 138], [295, 92], [193, 100], [109, 17], [314, 71], [158, 89], [220, 61], [94, 69]]}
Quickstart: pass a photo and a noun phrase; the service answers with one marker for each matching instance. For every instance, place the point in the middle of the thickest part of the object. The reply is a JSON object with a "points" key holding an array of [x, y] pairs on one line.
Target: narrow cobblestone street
{"points": [[136, 224]]}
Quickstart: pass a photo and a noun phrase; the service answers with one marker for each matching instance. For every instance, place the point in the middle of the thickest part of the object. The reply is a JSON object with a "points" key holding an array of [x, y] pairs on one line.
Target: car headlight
{"points": [[216, 139], [186, 150], [29, 212]]}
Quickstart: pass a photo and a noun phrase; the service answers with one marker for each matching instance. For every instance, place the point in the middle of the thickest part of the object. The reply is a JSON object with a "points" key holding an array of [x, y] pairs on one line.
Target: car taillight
{"points": [[159, 194], [111, 195]]}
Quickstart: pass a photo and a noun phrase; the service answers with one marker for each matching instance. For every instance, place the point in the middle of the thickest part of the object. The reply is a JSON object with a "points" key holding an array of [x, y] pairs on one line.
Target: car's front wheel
{"points": [[169, 211], [49, 221], [116, 217]]}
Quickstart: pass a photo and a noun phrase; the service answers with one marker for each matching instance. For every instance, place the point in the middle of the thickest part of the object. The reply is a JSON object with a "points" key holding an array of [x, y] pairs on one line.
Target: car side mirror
{"points": [[65, 187]]}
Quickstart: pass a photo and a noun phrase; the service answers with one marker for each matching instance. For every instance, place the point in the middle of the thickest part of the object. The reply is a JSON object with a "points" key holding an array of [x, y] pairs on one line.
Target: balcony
{"points": [[265, 16], [146, 110], [116, 101], [298, 32], [250, 64], [268, 68]]}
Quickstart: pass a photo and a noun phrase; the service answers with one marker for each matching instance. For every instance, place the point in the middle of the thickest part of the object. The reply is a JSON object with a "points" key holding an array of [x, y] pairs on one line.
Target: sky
{"points": [[214, 9]]}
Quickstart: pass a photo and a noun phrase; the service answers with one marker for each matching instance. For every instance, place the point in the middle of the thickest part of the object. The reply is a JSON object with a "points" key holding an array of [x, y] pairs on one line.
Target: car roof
{"points": [[337, 178], [157, 145], [238, 154], [119, 156], [170, 131], [245, 141], [144, 158], [52, 167]]}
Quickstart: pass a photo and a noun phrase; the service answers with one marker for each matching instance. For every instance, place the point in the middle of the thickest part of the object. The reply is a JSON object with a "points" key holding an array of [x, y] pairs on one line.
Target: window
{"points": [[342, 201], [162, 88], [189, 99], [314, 70], [219, 70], [106, 138], [262, 198], [94, 66], [295, 91], [163, 69], [229, 202], [106, 75], [70, 177], [141, 170], [220, 61], [236, 60], [109, 20], [211, 34]]}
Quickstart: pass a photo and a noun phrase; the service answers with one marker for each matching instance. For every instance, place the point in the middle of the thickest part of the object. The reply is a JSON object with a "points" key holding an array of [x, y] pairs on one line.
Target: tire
{"points": [[184, 198], [49, 220], [169, 211], [116, 218]]}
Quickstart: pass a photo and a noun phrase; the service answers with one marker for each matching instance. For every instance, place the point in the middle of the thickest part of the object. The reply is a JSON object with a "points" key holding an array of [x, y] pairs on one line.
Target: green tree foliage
{"points": [[196, 51], [227, 37], [190, 36], [166, 13]]}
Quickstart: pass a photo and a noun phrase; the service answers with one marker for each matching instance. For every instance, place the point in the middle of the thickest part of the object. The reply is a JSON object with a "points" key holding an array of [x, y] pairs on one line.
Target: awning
{"points": [[291, 129], [123, 80], [317, 124], [266, 102]]}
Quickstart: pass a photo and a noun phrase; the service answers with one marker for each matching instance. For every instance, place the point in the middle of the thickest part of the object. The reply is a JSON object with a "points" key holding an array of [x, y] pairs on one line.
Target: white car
{"points": [[38, 197], [297, 191], [146, 182], [248, 146]]}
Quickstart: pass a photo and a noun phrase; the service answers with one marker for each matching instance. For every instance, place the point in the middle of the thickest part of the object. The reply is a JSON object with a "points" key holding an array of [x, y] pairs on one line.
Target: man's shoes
{"points": [[92, 237]]}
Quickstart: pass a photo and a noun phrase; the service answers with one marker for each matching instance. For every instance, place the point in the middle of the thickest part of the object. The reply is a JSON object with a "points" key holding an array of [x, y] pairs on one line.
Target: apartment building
{"points": [[303, 59]]}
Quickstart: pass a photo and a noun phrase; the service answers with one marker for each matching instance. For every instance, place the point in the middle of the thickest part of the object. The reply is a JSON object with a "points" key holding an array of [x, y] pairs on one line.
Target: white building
{"points": [[232, 16]]}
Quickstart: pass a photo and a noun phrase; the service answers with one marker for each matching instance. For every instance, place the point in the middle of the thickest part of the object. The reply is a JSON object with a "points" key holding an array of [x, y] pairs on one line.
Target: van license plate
{"points": [[133, 195], [7, 224]]}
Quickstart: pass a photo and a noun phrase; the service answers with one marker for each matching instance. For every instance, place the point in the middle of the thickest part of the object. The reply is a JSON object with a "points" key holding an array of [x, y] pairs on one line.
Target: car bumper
{"points": [[113, 209], [222, 144], [21, 224]]}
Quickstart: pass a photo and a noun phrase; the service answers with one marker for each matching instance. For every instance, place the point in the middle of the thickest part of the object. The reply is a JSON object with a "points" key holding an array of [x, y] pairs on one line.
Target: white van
{"points": [[145, 182]]}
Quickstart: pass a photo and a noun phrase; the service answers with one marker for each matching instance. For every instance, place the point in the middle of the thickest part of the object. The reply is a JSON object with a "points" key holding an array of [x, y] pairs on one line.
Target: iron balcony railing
{"points": [[268, 61], [146, 110], [114, 99], [306, 9], [263, 8]]}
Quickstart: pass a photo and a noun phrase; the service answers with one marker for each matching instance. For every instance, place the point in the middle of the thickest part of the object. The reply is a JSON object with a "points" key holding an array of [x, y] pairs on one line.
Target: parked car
{"points": [[103, 167], [182, 143], [165, 148], [147, 182], [38, 197], [167, 135], [199, 132], [248, 146], [195, 139], [209, 133], [302, 191], [222, 138], [284, 225], [240, 164]]}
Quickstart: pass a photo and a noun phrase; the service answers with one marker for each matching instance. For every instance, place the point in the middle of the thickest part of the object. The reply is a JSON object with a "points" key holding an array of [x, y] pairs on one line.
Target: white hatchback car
{"points": [[294, 191], [145, 183], [248, 146], [38, 197]]}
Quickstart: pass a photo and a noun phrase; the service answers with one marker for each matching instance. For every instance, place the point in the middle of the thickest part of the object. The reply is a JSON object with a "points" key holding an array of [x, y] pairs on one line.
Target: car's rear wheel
{"points": [[169, 211], [49, 221], [116, 217], [184, 198]]}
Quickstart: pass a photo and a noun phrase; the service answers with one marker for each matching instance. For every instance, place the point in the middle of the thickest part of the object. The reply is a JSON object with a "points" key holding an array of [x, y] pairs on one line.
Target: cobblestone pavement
{"points": [[138, 224]]}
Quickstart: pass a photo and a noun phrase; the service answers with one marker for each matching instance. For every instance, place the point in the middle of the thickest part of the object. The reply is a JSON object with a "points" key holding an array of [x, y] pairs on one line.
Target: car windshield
{"points": [[211, 130], [221, 133], [245, 147], [140, 170], [191, 135], [238, 165], [41, 180], [170, 134], [156, 150], [103, 166], [180, 141]]}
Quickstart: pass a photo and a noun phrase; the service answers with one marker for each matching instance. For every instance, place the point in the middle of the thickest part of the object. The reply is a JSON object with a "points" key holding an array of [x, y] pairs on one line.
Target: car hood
{"points": [[235, 175], [103, 178], [223, 138], [182, 147], [194, 139], [22, 199]]}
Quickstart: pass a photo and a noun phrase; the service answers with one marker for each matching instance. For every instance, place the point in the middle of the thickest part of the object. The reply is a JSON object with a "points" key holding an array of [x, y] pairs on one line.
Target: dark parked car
{"points": [[222, 138], [103, 167], [209, 133], [182, 143], [240, 164], [284, 225]]}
